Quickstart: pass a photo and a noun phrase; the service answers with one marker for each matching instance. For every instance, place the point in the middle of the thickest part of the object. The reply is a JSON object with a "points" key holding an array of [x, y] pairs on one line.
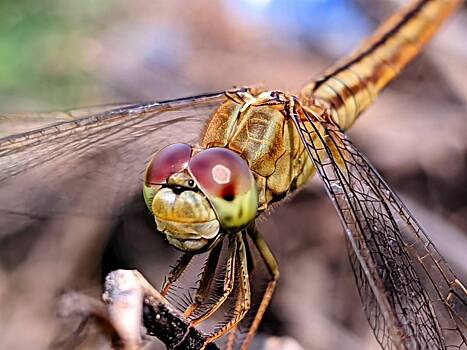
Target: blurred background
{"points": [[58, 55]]}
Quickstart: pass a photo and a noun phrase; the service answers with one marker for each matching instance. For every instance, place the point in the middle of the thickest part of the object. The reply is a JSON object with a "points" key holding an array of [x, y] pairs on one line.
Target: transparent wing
{"points": [[91, 166], [15, 123], [410, 296]]}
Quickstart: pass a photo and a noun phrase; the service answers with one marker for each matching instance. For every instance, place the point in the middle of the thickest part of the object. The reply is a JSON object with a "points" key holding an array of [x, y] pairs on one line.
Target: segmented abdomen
{"points": [[351, 85]]}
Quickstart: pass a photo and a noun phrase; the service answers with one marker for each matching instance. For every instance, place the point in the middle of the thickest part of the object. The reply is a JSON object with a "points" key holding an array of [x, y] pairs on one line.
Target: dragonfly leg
{"points": [[206, 280], [244, 297], [176, 272], [232, 337], [273, 269], [228, 284]]}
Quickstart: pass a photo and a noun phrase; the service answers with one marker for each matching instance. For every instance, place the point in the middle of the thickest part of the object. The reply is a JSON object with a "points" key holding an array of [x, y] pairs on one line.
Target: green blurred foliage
{"points": [[40, 46]]}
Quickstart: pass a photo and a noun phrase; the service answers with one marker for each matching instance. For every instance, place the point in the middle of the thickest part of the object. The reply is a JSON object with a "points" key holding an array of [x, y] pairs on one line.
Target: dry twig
{"points": [[133, 311]]}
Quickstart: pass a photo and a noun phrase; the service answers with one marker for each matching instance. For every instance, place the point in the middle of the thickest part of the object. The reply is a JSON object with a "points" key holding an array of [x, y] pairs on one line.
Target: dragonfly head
{"points": [[196, 195]]}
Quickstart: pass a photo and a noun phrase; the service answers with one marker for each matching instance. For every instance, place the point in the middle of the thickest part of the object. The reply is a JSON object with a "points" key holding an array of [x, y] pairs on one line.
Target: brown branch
{"points": [[172, 329], [132, 308]]}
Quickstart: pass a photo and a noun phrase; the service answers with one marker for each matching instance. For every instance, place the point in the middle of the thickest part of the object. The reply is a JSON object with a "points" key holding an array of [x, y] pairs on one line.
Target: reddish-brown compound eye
{"points": [[226, 180], [220, 172], [167, 161]]}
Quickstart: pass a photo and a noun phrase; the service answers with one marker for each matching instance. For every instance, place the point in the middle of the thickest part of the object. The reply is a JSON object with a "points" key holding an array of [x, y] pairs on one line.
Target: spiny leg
{"points": [[232, 336], [273, 269], [228, 282], [176, 272], [244, 302], [206, 279]]}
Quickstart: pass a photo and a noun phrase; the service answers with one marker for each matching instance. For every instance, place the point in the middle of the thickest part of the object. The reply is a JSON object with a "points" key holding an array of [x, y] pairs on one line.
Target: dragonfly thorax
{"points": [[257, 125], [196, 195]]}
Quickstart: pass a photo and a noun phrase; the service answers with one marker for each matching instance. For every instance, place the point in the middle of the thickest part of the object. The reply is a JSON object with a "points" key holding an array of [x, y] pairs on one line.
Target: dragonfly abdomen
{"points": [[350, 86]]}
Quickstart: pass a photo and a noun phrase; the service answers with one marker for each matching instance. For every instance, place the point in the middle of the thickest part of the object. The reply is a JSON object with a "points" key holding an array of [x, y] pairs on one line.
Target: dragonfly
{"points": [[257, 148]]}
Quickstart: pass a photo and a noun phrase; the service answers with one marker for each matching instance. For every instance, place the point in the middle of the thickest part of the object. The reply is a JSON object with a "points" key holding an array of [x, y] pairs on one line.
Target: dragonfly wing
{"points": [[91, 166], [15, 123], [411, 297]]}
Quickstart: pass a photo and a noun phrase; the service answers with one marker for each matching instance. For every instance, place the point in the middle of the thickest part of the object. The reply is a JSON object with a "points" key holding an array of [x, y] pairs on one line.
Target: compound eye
{"points": [[226, 180], [166, 162]]}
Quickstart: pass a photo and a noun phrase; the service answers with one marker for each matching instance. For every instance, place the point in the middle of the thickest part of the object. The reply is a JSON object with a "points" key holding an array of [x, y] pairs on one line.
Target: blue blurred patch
{"points": [[336, 26]]}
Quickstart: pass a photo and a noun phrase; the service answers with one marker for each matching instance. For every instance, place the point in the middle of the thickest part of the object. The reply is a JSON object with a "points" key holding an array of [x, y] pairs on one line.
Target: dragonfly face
{"points": [[196, 195]]}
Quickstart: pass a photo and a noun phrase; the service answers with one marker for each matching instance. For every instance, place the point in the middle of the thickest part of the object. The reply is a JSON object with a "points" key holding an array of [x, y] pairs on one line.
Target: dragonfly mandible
{"points": [[411, 297]]}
